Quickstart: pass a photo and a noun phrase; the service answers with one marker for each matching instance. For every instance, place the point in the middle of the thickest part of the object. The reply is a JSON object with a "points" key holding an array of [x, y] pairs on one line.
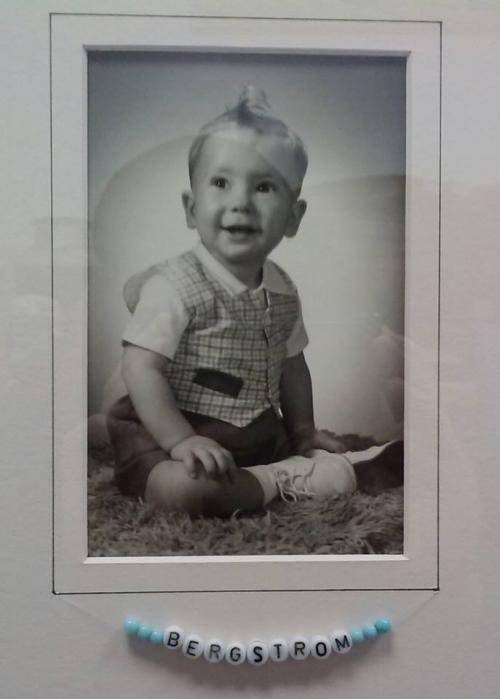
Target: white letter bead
{"points": [[278, 650], [257, 653], [214, 650], [173, 637], [320, 647], [299, 648], [235, 653], [341, 642], [192, 646]]}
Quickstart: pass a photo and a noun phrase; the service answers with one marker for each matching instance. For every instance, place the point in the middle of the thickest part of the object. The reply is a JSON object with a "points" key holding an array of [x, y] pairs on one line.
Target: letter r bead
{"points": [[214, 650], [299, 648]]}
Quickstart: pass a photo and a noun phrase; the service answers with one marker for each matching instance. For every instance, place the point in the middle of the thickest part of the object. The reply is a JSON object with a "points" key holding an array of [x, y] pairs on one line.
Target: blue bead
{"points": [[383, 625], [156, 636], [357, 636], [369, 631], [144, 632], [131, 626]]}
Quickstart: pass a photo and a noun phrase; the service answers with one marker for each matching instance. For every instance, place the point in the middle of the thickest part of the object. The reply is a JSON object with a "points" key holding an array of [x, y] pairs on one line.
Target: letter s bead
{"points": [[257, 653]]}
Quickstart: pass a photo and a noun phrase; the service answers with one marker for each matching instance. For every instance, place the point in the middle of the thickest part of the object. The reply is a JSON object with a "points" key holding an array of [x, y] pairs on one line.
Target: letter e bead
{"points": [[192, 646]]}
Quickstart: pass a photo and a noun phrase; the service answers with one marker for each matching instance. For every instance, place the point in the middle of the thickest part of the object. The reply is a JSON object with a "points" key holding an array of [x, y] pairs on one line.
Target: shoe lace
{"points": [[292, 486]]}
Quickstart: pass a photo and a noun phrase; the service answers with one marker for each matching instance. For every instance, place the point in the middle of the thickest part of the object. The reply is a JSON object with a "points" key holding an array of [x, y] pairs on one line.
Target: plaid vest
{"points": [[228, 362]]}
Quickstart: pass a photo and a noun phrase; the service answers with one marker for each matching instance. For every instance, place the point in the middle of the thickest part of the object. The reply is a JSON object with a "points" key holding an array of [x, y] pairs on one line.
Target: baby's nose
{"points": [[240, 198]]}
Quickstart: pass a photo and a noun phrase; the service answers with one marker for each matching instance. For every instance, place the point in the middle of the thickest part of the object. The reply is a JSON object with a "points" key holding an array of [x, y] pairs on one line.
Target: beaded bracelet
{"points": [[256, 652]]}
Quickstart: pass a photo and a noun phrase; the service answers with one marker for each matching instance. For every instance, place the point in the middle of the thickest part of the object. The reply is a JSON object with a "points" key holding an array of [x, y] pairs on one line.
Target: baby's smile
{"points": [[240, 228]]}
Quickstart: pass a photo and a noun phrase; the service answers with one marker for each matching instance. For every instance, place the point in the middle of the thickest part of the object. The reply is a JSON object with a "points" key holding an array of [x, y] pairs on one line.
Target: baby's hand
{"points": [[196, 450], [320, 439]]}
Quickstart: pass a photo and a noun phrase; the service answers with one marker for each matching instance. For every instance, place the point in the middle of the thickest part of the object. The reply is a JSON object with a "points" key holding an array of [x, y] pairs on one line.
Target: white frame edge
{"points": [[71, 37]]}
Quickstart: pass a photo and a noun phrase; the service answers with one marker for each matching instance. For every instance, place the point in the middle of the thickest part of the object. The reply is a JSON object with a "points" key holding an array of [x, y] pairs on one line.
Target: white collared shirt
{"points": [[160, 317]]}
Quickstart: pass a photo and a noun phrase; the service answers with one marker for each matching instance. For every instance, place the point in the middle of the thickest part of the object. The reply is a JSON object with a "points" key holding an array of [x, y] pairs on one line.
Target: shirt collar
{"points": [[271, 279]]}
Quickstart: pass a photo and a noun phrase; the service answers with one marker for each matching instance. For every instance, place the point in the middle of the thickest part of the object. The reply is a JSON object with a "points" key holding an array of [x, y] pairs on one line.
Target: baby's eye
{"points": [[219, 182], [266, 187]]}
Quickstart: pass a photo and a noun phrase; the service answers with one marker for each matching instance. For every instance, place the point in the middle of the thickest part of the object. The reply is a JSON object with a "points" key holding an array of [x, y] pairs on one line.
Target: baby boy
{"points": [[219, 411]]}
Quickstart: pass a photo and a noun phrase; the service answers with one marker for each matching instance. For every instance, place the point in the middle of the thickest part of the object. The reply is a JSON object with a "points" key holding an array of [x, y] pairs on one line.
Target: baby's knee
{"points": [[170, 486]]}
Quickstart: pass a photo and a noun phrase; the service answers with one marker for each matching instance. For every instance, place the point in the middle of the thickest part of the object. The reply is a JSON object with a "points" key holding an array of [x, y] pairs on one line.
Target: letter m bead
{"points": [[341, 642]]}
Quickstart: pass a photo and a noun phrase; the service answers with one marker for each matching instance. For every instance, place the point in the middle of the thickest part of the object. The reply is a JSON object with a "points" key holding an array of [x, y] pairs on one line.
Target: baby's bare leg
{"points": [[171, 487]]}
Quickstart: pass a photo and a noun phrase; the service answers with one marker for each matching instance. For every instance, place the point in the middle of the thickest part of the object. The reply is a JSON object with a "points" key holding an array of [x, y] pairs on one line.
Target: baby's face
{"points": [[240, 203]]}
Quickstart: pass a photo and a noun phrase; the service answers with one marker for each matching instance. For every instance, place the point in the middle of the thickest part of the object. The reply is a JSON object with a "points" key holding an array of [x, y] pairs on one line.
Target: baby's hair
{"points": [[253, 112]]}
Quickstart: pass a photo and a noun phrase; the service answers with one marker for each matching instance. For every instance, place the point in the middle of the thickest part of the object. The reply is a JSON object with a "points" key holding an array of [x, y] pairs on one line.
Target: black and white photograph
{"points": [[246, 303]]}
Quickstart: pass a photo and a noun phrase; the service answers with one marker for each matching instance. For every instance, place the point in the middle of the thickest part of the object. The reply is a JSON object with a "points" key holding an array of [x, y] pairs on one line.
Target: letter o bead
{"points": [[235, 653], [341, 642], [320, 647], [214, 650], [278, 650], [193, 646], [299, 648], [173, 637], [257, 653]]}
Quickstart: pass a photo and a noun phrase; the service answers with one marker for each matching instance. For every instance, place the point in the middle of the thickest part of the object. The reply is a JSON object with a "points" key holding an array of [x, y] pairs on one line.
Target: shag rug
{"points": [[354, 524]]}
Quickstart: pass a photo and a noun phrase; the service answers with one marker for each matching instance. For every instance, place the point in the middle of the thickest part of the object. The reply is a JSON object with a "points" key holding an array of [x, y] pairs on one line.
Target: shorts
{"points": [[136, 453]]}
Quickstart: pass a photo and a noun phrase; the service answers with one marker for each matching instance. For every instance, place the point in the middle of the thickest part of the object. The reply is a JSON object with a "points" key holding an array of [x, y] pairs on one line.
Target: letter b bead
{"points": [[173, 637]]}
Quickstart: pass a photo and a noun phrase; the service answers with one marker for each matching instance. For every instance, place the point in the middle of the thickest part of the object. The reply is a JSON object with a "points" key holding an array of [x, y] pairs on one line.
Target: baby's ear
{"points": [[296, 214], [189, 208]]}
